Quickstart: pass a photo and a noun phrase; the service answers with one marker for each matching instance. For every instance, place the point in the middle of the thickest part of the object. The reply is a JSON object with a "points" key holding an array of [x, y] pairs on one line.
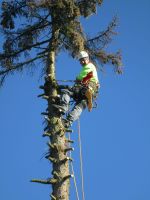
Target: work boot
{"points": [[59, 109]]}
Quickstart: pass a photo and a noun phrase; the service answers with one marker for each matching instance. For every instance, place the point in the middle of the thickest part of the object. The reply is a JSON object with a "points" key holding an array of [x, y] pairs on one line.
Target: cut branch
{"points": [[49, 181]]}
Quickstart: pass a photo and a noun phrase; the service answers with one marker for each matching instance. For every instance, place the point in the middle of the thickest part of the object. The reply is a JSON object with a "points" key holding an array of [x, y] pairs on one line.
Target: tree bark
{"points": [[54, 130], [57, 140]]}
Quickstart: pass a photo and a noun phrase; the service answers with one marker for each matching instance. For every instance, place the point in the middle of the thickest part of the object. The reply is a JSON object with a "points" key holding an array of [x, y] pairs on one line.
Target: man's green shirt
{"points": [[85, 70]]}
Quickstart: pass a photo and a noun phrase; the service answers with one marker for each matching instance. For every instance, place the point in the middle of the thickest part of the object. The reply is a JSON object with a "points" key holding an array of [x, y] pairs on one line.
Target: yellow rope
{"points": [[81, 160]]}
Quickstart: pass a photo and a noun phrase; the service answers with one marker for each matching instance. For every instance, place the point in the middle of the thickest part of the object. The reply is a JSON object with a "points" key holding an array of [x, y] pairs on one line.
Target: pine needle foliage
{"points": [[26, 26]]}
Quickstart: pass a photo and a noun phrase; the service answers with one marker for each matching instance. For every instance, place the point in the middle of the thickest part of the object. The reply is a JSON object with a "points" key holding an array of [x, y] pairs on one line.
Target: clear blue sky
{"points": [[115, 136]]}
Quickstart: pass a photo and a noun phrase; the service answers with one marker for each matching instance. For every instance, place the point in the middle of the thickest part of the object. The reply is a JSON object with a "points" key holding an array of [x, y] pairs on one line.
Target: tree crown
{"points": [[37, 27]]}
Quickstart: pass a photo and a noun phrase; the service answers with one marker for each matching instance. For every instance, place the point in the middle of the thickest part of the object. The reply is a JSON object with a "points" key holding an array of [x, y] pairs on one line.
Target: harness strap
{"points": [[86, 79]]}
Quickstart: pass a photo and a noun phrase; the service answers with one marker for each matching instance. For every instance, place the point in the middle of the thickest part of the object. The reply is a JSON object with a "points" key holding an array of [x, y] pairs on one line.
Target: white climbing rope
{"points": [[72, 169], [81, 165], [81, 160]]}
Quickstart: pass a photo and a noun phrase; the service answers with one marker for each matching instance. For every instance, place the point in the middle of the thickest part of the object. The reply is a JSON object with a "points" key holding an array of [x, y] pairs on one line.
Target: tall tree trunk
{"points": [[58, 146], [58, 143]]}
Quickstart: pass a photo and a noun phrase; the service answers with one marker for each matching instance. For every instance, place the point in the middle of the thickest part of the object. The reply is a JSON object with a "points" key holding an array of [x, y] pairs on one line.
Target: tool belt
{"points": [[93, 86], [80, 89]]}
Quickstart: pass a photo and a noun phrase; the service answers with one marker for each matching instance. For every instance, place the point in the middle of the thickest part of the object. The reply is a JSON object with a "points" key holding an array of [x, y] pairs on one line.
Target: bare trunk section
{"points": [[58, 143]]}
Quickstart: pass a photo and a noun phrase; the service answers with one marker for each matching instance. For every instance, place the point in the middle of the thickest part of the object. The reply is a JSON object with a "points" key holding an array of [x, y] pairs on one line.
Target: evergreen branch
{"points": [[36, 26], [30, 29], [42, 4], [105, 36], [21, 5], [15, 53], [3, 72]]}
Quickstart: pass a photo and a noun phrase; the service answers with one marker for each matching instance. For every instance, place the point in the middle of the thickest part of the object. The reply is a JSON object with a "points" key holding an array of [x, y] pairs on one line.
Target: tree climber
{"points": [[82, 92]]}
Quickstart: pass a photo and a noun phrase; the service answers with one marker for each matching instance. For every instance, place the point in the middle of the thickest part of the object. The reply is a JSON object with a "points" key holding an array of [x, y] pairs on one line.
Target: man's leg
{"points": [[64, 101], [75, 113]]}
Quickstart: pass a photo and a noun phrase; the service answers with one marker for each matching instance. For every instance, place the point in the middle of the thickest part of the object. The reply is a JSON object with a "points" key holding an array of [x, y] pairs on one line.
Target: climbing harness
{"points": [[88, 91]]}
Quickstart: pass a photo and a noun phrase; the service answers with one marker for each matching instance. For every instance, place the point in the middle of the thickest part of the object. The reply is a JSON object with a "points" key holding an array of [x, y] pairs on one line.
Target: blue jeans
{"points": [[80, 103]]}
